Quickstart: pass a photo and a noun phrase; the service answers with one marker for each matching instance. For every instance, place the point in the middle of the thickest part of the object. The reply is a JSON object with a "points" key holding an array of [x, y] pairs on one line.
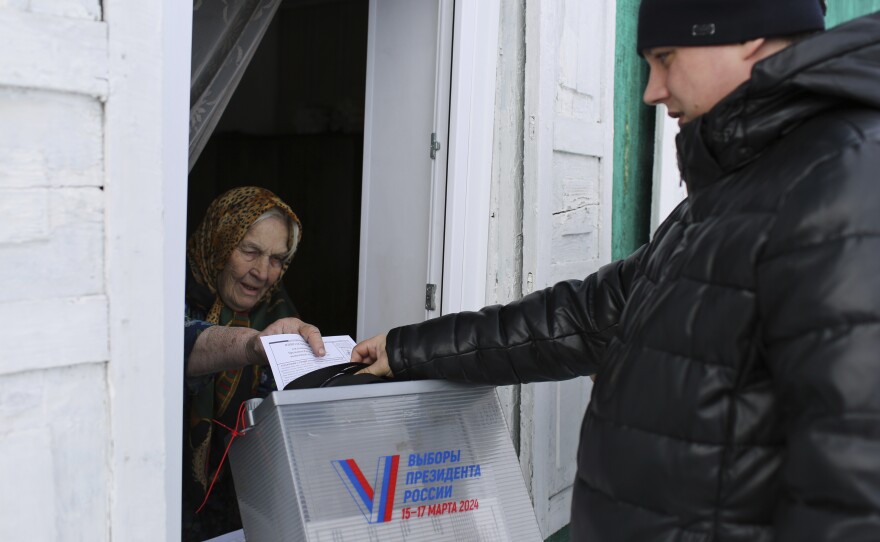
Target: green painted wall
{"points": [[634, 126], [560, 536], [843, 10], [633, 139]]}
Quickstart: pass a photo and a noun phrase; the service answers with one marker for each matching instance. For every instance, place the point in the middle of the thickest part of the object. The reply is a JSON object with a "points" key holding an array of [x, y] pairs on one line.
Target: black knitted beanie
{"points": [[681, 23]]}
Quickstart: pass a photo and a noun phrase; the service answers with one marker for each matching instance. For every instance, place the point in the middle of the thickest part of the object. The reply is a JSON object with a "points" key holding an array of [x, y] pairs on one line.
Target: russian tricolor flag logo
{"points": [[375, 502]]}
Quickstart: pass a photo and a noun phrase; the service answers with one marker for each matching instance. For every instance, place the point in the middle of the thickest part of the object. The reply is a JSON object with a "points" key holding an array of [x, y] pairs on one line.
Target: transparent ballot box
{"points": [[426, 460]]}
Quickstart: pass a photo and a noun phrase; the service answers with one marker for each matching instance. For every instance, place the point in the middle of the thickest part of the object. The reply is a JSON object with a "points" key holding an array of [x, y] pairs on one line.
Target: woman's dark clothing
{"points": [[738, 353], [216, 398]]}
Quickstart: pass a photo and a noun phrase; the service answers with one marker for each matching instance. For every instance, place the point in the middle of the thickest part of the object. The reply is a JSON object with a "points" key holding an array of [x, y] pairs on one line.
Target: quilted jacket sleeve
{"points": [[553, 334], [819, 297]]}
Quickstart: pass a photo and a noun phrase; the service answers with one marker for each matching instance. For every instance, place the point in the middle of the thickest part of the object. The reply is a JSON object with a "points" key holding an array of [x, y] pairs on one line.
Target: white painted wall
{"points": [[93, 131], [54, 445]]}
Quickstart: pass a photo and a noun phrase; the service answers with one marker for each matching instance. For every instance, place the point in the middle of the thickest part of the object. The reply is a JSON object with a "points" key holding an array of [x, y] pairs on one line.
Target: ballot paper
{"points": [[290, 356]]}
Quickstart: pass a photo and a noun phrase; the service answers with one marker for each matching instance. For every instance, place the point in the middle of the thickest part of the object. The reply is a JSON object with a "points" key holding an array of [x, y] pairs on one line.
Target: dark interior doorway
{"points": [[295, 125]]}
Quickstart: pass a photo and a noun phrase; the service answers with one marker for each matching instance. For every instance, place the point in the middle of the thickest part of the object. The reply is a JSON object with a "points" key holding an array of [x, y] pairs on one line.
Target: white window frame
{"points": [[471, 114]]}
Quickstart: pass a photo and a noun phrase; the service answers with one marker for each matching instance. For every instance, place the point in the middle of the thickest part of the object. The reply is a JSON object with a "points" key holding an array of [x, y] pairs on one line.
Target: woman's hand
{"points": [[372, 353], [310, 333], [221, 348]]}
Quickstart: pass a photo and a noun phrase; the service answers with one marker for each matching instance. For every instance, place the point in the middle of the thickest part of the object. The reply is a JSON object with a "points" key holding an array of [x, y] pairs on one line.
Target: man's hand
{"points": [[372, 353]]}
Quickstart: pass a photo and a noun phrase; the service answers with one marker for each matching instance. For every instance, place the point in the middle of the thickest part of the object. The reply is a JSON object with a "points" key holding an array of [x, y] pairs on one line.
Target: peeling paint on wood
{"points": [[577, 178]]}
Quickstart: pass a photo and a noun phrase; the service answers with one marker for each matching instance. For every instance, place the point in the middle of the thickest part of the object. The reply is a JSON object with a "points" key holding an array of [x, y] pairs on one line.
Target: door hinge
{"points": [[431, 297], [435, 145]]}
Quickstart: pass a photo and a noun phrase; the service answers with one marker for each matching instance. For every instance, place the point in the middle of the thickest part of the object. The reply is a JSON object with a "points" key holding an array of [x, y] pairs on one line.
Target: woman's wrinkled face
{"points": [[254, 265]]}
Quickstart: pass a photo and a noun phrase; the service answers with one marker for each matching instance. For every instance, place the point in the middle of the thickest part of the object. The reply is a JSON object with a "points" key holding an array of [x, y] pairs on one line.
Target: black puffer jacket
{"points": [[738, 354]]}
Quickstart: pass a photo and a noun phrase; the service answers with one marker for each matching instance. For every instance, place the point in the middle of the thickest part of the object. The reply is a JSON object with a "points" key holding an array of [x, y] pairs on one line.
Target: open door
{"points": [[406, 124]]}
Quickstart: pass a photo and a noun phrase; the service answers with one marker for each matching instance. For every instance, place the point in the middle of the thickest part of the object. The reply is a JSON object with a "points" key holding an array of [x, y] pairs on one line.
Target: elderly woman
{"points": [[236, 259]]}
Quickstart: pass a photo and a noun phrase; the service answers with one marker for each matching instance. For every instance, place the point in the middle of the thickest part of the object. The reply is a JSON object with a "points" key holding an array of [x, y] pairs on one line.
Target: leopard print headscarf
{"points": [[226, 222]]}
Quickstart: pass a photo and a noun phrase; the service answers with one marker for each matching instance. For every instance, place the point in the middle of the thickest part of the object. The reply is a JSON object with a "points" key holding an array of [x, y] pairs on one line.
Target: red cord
{"points": [[239, 422]]}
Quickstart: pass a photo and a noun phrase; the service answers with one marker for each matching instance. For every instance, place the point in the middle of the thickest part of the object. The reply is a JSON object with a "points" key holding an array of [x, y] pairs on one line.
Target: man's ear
{"points": [[760, 48], [754, 50]]}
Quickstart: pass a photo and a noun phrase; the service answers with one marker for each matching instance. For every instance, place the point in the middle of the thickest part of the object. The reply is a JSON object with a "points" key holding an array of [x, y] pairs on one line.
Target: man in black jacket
{"points": [[737, 355]]}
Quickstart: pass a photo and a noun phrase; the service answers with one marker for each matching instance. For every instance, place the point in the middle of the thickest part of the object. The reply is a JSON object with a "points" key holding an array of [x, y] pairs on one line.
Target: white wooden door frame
{"points": [[537, 400], [146, 134], [543, 406]]}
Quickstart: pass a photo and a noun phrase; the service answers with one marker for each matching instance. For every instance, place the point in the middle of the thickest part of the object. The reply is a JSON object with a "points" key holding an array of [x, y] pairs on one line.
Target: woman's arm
{"points": [[220, 348]]}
